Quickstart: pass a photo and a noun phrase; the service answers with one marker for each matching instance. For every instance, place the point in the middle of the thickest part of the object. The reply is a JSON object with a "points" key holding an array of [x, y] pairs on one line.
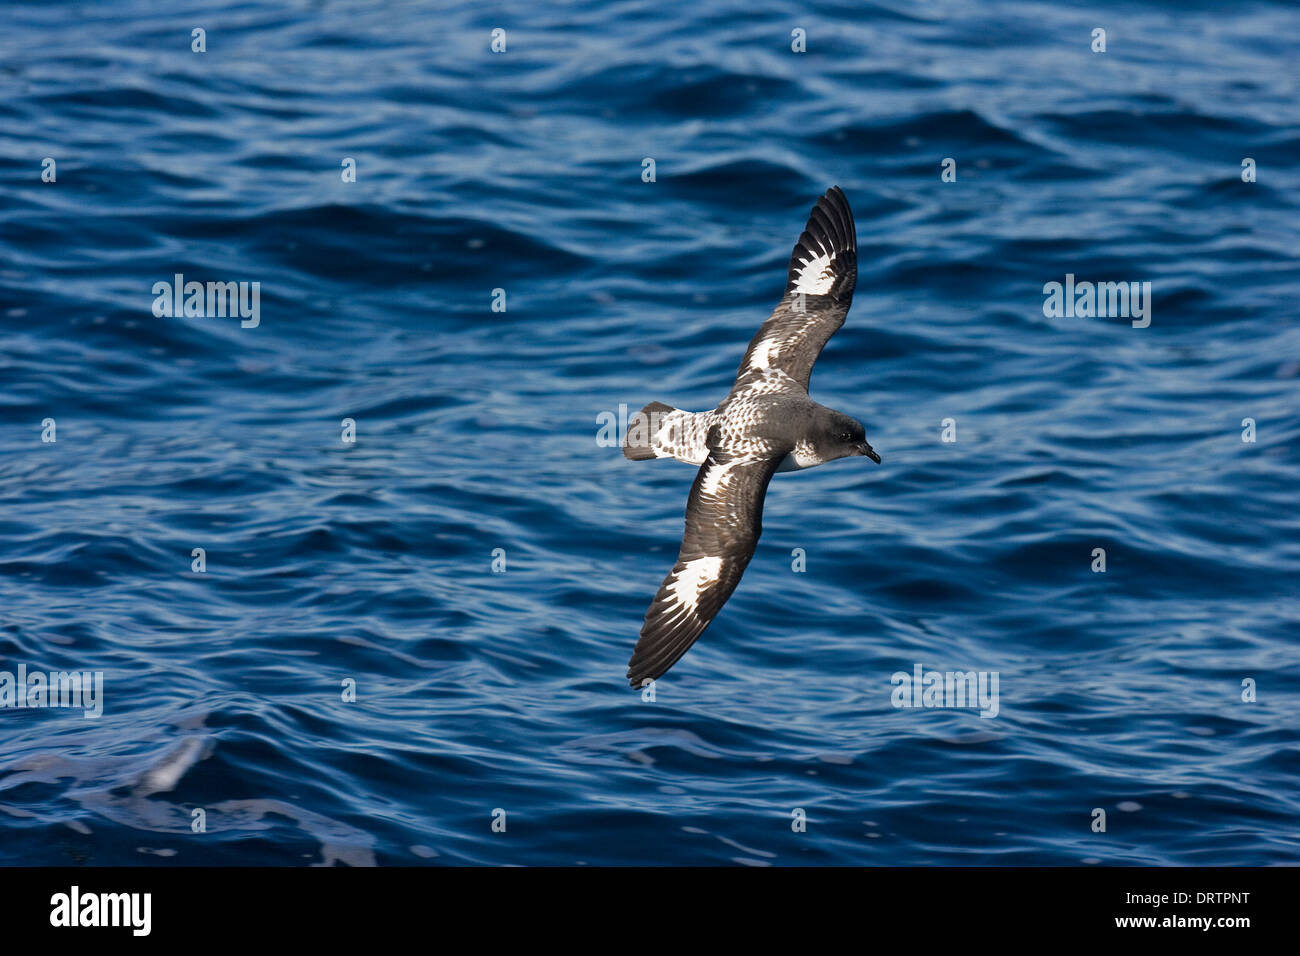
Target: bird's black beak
{"points": [[865, 449]]}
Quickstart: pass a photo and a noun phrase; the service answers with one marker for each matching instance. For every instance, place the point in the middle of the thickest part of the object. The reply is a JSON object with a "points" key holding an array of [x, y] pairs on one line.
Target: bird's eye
{"points": [[846, 437]]}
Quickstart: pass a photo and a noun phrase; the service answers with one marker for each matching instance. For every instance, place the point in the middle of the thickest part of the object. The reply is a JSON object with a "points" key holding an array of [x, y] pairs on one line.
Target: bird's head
{"points": [[840, 436]]}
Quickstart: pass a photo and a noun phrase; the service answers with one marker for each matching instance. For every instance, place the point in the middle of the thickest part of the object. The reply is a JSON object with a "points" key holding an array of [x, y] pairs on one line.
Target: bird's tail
{"points": [[643, 439]]}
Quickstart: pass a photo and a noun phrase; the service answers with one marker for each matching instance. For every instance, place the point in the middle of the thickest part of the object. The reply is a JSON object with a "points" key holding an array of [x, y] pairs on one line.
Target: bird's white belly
{"points": [[802, 457]]}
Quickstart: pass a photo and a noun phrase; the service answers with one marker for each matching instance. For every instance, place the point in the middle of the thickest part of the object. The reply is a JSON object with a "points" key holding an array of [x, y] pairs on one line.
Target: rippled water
{"points": [[329, 562]]}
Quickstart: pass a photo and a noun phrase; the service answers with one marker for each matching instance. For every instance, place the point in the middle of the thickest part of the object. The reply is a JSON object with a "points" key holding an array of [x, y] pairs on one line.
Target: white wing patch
{"points": [[762, 355], [817, 276], [717, 476], [694, 577], [774, 380]]}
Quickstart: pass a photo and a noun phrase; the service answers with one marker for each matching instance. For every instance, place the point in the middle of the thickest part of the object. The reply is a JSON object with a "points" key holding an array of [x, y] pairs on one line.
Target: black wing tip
{"points": [[665, 639], [660, 647], [836, 221], [835, 197], [641, 671], [830, 231]]}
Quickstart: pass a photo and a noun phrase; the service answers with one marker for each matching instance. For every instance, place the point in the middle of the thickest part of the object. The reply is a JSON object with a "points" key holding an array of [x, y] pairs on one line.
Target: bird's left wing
{"points": [[818, 291], [724, 517]]}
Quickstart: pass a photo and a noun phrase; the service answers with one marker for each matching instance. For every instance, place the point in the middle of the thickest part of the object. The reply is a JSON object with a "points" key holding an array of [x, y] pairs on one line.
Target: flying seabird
{"points": [[765, 425]]}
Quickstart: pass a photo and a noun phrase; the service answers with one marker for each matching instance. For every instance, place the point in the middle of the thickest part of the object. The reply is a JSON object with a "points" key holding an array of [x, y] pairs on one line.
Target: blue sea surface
{"points": [[476, 565]]}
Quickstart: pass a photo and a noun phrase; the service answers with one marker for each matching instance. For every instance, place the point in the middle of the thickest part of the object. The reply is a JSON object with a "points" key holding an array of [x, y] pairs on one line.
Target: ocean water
{"points": [[1164, 690]]}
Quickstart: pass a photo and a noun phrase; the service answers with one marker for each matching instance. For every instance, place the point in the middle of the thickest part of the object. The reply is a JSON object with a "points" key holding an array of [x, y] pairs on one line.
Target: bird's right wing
{"points": [[724, 517], [818, 292]]}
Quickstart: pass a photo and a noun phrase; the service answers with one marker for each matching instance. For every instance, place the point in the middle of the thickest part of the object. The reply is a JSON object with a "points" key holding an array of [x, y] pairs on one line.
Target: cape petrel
{"points": [[765, 425]]}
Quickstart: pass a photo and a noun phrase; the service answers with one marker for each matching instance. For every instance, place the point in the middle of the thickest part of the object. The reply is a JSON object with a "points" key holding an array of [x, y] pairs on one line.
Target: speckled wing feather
{"points": [[724, 517], [818, 292]]}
